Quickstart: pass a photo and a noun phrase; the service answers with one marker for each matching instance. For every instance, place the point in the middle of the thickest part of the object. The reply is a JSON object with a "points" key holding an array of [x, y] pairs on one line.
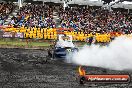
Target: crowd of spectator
{"points": [[5, 10], [79, 18], [95, 20], [32, 15]]}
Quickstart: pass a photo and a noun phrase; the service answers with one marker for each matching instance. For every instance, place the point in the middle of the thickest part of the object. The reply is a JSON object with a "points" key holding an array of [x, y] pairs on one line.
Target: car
{"points": [[62, 47]]}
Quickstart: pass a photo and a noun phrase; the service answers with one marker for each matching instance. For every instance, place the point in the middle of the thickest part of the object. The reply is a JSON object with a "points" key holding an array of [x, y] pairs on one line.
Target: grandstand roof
{"points": [[127, 4], [124, 4]]}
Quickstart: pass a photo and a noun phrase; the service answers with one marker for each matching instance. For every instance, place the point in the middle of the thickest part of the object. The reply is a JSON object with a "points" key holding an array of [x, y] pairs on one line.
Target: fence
{"points": [[51, 34]]}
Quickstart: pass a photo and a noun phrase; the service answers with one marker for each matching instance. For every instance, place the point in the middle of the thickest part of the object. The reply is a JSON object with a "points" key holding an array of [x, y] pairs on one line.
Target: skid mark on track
{"points": [[21, 68]]}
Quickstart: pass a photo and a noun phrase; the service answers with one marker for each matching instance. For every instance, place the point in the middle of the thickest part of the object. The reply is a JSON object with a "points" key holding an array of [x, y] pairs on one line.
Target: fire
{"points": [[81, 71]]}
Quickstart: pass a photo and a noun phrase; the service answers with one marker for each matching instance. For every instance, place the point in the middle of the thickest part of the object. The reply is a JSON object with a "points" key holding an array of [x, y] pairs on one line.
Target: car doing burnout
{"points": [[62, 47]]}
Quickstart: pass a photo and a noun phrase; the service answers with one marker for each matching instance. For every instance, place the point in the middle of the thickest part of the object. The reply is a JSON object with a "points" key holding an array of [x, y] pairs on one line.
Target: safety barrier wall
{"points": [[51, 33]]}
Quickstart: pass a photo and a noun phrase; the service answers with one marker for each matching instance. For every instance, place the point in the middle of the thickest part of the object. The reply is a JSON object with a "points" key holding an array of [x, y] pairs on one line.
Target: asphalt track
{"points": [[20, 68]]}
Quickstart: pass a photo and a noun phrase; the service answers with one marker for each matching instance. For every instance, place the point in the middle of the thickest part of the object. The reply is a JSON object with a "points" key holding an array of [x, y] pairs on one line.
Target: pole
{"points": [[128, 10], [20, 3], [43, 2], [64, 5]]}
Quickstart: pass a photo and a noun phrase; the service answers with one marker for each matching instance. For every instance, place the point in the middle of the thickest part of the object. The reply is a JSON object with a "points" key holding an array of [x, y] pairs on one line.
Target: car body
{"points": [[62, 47]]}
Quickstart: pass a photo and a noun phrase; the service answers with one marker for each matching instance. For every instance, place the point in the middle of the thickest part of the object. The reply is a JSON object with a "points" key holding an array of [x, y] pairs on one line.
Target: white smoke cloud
{"points": [[117, 55]]}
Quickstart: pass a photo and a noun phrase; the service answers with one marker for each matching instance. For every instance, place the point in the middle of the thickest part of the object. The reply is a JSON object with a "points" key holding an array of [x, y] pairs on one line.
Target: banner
{"points": [[19, 35], [7, 35], [1, 33], [13, 35]]}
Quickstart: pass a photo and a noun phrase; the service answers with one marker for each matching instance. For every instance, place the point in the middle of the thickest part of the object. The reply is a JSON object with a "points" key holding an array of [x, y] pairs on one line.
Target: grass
{"points": [[40, 44], [32, 43], [18, 42]]}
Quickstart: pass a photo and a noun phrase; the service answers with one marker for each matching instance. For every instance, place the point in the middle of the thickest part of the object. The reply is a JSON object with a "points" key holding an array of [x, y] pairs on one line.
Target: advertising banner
{"points": [[19, 35], [7, 35]]}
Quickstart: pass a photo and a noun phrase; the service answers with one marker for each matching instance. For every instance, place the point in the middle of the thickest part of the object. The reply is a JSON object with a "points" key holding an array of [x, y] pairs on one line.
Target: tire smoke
{"points": [[116, 56]]}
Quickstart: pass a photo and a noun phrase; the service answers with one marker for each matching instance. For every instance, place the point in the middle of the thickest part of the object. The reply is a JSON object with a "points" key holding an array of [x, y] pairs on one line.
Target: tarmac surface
{"points": [[21, 68]]}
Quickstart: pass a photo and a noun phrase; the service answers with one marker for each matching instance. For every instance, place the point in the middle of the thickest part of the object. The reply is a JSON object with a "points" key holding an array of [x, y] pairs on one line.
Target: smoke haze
{"points": [[117, 55]]}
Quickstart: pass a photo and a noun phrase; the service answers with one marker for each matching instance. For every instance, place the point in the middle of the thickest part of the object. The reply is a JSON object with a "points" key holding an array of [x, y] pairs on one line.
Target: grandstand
{"points": [[44, 19]]}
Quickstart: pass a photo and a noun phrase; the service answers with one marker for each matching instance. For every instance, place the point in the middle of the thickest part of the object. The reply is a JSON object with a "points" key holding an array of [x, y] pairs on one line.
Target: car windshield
{"points": [[65, 38]]}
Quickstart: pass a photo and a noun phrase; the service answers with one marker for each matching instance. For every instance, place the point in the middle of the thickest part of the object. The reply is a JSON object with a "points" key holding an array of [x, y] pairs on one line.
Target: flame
{"points": [[81, 71]]}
